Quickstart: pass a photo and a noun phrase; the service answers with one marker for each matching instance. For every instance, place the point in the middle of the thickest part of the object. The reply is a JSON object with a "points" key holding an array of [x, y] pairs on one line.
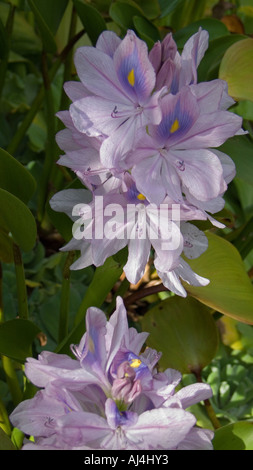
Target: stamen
{"points": [[141, 197], [181, 165], [135, 363]]}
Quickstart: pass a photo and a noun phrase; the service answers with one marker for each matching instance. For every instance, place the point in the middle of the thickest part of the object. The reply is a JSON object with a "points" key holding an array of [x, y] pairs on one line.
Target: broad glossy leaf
{"points": [[184, 331], [15, 178], [47, 37], [151, 8], [214, 27], [236, 69], [146, 30], [51, 12], [16, 218], [240, 149], [122, 13], [91, 19], [16, 337], [235, 436], [209, 66], [244, 241], [24, 39], [168, 7], [230, 290], [103, 281]]}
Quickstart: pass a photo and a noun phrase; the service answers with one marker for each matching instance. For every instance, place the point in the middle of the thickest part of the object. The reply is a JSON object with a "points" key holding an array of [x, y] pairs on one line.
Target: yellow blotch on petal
{"points": [[175, 126], [91, 346], [141, 197], [131, 77], [135, 363]]}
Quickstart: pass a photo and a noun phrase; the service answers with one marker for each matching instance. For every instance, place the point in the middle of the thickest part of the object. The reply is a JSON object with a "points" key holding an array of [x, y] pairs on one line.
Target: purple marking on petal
{"points": [[134, 70], [179, 114]]}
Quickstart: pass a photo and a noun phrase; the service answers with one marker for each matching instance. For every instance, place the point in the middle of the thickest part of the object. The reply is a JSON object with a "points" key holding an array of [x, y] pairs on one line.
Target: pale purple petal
{"points": [[195, 241], [108, 42], [134, 70], [161, 428], [193, 394], [197, 439]]}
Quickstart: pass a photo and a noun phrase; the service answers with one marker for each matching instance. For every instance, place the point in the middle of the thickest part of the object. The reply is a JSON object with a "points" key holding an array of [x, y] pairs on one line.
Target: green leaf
{"points": [[103, 281], [184, 331], [169, 7], [24, 39], [230, 290], [91, 19], [5, 441], [235, 436], [122, 13], [240, 149], [146, 30], [16, 218], [3, 41], [47, 37], [6, 250], [150, 8], [15, 178], [236, 69], [214, 27], [16, 337], [51, 12], [244, 241], [209, 65]]}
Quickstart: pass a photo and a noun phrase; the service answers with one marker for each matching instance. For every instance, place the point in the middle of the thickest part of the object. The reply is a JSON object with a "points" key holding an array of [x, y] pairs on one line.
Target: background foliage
{"points": [[207, 336]]}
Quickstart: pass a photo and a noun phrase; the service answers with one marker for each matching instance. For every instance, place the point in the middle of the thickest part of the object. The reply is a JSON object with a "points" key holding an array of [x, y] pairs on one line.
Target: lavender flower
{"points": [[111, 396], [141, 130]]}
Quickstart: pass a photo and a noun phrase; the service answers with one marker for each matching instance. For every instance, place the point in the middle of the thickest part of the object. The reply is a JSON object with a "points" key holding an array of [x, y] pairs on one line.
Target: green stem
{"points": [[51, 145], [21, 285], [8, 367], [4, 419], [37, 103], [208, 406], [65, 293], [12, 380], [57, 175], [145, 292], [4, 62], [1, 294]]}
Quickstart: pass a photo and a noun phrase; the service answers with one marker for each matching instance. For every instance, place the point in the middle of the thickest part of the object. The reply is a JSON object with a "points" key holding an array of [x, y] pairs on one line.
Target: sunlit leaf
{"points": [[184, 331], [235, 436], [237, 69], [209, 66], [230, 290]]}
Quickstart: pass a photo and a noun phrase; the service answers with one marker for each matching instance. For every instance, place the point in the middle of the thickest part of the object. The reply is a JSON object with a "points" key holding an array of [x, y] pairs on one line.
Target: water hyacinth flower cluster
{"points": [[141, 133], [110, 396]]}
